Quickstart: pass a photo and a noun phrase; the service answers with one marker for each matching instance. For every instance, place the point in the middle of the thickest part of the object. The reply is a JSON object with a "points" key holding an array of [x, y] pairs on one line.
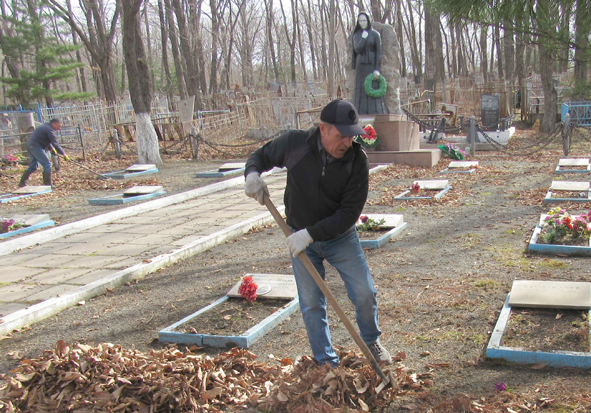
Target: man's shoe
{"points": [[380, 353]]}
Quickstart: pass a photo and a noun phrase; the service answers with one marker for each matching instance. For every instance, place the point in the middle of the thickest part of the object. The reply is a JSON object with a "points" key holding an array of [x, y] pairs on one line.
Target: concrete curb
{"points": [[47, 308]]}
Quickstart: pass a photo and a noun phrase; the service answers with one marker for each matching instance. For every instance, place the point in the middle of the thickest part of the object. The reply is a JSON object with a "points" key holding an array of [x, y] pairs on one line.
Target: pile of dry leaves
{"points": [[108, 377]]}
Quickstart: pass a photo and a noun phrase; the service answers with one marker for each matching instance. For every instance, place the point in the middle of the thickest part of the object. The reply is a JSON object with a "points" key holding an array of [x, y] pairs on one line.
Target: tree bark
{"points": [[547, 63], [140, 89], [582, 49], [484, 52], [176, 57], [509, 48], [166, 81]]}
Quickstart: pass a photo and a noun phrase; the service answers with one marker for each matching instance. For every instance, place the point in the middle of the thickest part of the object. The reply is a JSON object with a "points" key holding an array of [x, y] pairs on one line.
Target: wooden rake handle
{"points": [[322, 285]]}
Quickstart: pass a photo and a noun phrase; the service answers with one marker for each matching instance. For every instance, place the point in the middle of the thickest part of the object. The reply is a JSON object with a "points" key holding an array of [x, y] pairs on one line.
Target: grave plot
{"points": [[233, 322], [136, 193], [29, 223], [227, 169], [544, 322], [460, 167], [432, 189], [562, 191], [133, 171], [388, 226], [24, 192], [582, 248], [569, 165]]}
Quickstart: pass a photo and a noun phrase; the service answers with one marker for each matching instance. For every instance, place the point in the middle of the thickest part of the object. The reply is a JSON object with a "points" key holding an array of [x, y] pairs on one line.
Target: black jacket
{"points": [[44, 137], [325, 198]]}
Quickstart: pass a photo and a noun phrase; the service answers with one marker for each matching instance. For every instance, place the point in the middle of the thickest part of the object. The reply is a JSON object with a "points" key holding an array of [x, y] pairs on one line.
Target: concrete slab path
{"points": [[47, 271]]}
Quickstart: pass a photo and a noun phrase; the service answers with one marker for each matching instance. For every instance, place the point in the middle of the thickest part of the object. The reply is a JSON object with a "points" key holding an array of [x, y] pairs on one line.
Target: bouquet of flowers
{"points": [[370, 139], [453, 151], [10, 225], [560, 228], [248, 289], [365, 223]]}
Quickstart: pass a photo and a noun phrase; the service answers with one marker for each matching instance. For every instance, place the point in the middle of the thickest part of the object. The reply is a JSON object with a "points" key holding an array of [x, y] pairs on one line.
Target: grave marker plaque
{"points": [[490, 111], [550, 294]]}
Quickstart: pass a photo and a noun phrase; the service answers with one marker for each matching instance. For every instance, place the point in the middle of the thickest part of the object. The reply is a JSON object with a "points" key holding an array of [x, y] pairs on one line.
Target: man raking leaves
{"points": [[327, 186]]}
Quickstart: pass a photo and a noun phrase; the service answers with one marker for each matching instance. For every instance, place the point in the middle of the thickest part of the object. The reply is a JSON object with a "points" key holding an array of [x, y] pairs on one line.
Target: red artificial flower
{"points": [[248, 289], [370, 133], [415, 187], [363, 219]]}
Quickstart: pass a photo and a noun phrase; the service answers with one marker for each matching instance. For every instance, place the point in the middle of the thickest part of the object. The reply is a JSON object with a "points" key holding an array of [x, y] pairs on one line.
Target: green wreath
{"points": [[375, 93]]}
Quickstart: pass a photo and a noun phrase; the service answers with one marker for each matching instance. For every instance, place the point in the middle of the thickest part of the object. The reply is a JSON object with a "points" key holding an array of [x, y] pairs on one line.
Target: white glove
{"points": [[255, 187], [298, 241], [376, 74], [364, 34]]}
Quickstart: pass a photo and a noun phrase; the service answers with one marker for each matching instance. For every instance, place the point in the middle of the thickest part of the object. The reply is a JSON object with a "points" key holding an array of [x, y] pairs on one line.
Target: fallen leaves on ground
{"points": [[108, 377]]}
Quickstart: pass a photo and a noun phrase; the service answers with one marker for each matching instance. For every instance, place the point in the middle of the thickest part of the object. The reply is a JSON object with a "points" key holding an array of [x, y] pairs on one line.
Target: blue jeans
{"points": [[346, 255], [38, 156]]}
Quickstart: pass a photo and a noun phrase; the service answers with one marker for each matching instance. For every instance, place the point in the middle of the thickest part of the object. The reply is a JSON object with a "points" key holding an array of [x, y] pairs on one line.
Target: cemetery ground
{"points": [[441, 285]]}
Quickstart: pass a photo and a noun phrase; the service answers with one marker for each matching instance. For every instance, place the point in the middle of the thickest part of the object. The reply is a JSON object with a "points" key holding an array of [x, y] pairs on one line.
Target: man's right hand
{"points": [[255, 187]]}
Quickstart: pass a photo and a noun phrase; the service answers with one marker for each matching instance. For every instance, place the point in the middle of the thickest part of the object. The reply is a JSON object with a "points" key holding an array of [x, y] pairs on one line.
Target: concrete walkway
{"points": [[47, 271]]}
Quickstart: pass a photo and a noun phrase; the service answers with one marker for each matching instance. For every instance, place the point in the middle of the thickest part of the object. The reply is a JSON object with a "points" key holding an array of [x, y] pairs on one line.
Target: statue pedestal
{"points": [[400, 143]]}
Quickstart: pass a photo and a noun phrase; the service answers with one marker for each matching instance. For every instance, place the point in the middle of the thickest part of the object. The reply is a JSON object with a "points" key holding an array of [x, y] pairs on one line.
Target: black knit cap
{"points": [[343, 115]]}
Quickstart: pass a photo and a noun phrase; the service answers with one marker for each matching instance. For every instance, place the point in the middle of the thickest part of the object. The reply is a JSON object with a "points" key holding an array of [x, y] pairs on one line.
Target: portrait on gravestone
{"points": [[367, 59]]}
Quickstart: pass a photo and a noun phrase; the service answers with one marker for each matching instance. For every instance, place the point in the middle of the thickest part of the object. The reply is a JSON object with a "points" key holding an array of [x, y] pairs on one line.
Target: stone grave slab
{"points": [[393, 221], [274, 286], [569, 186], [131, 171], [566, 250], [24, 192], [140, 167], [31, 222], [523, 356], [550, 294], [584, 195], [136, 193], [270, 286], [231, 166], [573, 165], [32, 189], [462, 167], [142, 190], [442, 186], [227, 169]]}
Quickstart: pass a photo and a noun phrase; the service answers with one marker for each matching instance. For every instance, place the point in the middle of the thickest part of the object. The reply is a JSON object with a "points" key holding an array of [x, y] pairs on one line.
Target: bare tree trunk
{"points": [[191, 73], [484, 52], [307, 17], [178, 66], [166, 79], [296, 19], [454, 47], [547, 63], [509, 48], [270, 41], [215, 27], [149, 43], [582, 31], [331, 49], [399, 33], [500, 65], [140, 89]]}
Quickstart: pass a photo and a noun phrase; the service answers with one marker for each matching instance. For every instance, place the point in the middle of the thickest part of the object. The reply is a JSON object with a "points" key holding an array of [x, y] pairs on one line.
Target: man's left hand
{"points": [[298, 241], [66, 157]]}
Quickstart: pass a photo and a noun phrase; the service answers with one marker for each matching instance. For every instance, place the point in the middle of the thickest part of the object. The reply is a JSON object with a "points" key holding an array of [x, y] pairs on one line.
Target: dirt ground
{"points": [[441, 283]]}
